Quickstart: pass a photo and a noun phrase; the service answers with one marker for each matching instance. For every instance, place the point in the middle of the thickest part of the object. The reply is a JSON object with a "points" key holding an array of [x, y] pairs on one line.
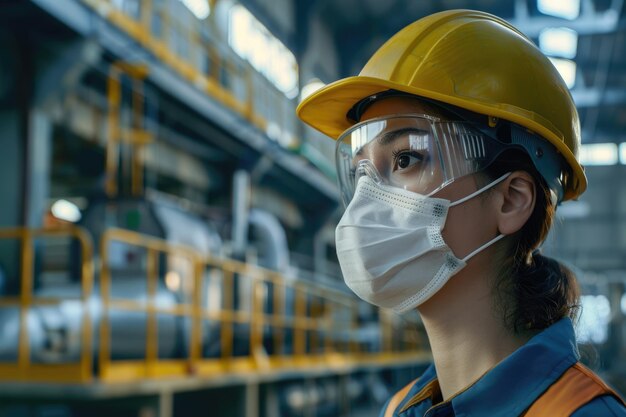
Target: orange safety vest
{"points": [[575, 388]]}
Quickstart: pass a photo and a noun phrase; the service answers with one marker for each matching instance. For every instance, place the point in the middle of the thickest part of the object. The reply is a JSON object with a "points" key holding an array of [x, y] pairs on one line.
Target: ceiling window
{"points": [[200, 8], [311, 87], [253, 42], [622, 153], [598, 154], [567, 69], [561, 42], [566, 9]]}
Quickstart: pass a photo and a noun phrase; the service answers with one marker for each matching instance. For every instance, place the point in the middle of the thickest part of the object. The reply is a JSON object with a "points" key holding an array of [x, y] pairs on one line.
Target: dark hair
{"points": [[532, 291]]}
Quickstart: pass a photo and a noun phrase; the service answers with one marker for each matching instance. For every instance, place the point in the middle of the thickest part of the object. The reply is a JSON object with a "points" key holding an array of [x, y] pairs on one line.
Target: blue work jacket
{"points": [[513, 385]]}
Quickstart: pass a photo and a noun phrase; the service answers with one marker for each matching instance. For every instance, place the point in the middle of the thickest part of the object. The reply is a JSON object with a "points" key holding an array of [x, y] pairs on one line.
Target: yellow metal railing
{"points": [[239, 96], [151, 366], [24, 369], [136, 134], [321, 322]]}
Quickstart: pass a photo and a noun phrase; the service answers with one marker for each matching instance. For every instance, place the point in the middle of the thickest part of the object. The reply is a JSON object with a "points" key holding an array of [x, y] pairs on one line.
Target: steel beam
{"points": [[590, 22]]}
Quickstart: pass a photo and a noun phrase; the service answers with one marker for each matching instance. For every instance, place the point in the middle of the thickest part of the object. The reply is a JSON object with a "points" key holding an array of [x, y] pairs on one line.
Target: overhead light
{"points": [[561, 42], [172, 281], [66, 210], [567, 69], [200, 8], [273, 131], [566, 9], [598, 154], [622, 153], [311, 87]]}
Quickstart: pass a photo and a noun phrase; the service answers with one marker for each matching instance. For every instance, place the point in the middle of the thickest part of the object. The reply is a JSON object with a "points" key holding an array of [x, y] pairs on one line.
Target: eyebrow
{"points": [[388, 137]]}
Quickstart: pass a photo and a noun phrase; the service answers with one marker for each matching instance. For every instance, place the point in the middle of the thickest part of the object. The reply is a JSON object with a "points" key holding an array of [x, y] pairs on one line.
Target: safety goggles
{"points": [[418, 153]]}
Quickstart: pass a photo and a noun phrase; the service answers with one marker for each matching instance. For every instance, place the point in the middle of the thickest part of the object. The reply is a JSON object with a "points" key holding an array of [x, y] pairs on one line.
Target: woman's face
{"points": [[468, 225]]}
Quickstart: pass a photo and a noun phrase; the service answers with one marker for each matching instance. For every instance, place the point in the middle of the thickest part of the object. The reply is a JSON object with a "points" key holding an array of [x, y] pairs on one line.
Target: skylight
{"points": [[567, 9], [560, 42], [311, 87], [598, 154], [567, 69], [622, 153], [253, 42], [200, 8]]}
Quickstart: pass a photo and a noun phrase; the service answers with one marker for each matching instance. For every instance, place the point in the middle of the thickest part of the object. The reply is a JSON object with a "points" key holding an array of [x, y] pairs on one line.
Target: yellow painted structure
{"points": [[317, 316], [139, 29], [323, 321]]}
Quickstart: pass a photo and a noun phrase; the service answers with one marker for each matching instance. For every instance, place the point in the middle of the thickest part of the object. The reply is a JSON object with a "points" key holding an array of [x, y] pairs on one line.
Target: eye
{"points": [[406, 159]]}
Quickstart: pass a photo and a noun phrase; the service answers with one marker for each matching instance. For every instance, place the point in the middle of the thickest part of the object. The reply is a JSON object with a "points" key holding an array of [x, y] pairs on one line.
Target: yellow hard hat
{"points": [[468, 59]]}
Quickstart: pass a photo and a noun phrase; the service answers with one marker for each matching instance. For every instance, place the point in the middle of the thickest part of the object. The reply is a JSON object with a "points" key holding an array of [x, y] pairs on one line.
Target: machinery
{"points": [[169, 281]]}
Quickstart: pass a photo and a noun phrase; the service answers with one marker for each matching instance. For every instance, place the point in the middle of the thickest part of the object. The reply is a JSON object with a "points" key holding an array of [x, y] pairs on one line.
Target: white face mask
{"points": [[390, 247]]}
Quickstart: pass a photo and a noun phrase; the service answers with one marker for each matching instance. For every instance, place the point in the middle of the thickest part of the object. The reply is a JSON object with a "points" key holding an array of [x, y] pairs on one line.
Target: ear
{"points": [[517, 202]]}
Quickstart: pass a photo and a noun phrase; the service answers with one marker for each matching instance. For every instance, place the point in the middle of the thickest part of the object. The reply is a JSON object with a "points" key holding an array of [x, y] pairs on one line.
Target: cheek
{"points": [[468, 226], [422, 181], [455, 230]]}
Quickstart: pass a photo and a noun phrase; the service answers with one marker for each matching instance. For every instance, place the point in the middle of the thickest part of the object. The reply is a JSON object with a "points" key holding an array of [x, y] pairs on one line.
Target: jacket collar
{"points": [[511, 386]]}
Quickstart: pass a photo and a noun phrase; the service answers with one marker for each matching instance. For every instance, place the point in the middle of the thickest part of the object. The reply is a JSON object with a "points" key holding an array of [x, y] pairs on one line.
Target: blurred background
{"points": [[167, 224]]}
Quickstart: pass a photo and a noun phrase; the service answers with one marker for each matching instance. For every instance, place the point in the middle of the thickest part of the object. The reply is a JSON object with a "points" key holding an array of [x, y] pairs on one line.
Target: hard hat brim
{"points": [[326, 111]]}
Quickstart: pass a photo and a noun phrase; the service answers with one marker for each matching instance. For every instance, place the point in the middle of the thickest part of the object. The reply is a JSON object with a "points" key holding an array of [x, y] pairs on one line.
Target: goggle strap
{"points": [[546, 159]]}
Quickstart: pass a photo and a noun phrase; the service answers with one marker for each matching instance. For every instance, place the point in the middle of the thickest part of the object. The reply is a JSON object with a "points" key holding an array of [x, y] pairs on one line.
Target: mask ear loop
{"points": [[469, 197], [482, 190], [483, 247]]}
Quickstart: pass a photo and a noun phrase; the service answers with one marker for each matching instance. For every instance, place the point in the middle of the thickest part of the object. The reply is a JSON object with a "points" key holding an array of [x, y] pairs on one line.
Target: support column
{"points": [[38, 167], [252, 399], [241, 208], [12, 127], [166, 404], [616, 325], [11, 169], [12, 206]]}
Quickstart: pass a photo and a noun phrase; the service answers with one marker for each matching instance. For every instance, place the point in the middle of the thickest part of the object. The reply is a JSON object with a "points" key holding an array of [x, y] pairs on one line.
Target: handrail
{"points": [[228, 315], [321, 323], [25, 301], [139, 28], [153, 247]]}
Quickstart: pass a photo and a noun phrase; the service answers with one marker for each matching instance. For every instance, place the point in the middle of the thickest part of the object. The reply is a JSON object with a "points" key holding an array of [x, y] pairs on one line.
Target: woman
{"points": [[454, 146]]}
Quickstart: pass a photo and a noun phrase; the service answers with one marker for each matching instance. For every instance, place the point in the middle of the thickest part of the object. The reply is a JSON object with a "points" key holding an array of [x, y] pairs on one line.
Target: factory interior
{"points": [[167, 227]]}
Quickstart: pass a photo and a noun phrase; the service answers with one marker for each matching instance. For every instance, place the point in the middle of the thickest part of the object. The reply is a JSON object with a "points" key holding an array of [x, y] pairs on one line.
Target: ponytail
{"points": [[545, 291]]}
